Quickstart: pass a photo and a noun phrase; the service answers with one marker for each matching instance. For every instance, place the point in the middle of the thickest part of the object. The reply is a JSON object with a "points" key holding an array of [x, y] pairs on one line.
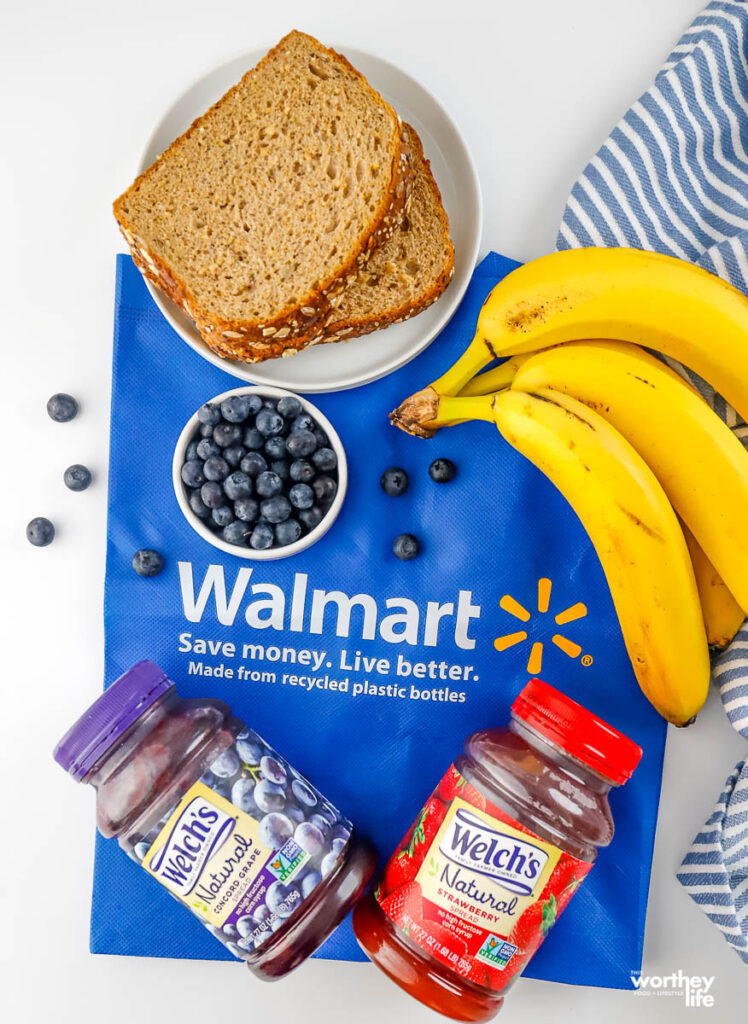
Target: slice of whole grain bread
{"points": [[407, 272], [259, 215]]}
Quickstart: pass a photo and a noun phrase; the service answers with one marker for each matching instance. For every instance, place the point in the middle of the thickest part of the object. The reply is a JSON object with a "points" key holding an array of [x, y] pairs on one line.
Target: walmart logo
{"points": [[512, 607]]}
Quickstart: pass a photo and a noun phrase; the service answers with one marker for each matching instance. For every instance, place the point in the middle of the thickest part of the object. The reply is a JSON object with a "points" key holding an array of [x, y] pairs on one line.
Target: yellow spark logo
{"points": [[518, 611]]}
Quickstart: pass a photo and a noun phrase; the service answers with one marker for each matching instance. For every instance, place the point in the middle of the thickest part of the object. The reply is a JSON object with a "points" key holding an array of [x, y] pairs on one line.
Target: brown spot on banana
{"points": [[654, 534]]}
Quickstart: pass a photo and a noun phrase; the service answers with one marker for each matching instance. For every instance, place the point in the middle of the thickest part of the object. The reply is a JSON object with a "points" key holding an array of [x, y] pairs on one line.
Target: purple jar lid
{"points": [[117, 708]]}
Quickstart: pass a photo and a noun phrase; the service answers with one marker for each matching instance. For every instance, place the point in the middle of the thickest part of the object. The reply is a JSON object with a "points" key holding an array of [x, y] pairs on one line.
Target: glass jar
{"points": [[219, 818], [496, 854]]}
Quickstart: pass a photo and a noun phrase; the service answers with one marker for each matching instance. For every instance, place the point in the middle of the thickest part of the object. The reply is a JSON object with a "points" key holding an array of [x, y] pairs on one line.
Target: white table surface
{"points": [[535, 87]]}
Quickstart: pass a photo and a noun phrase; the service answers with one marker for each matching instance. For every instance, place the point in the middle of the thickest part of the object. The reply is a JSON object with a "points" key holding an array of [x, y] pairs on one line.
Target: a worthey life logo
{"points": [[518, 611], [694, 988]]}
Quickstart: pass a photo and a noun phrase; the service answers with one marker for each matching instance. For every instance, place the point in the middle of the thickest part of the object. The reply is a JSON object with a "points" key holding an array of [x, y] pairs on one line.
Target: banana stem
{"points": [[478, 354], [496, 379], [456, 409]]}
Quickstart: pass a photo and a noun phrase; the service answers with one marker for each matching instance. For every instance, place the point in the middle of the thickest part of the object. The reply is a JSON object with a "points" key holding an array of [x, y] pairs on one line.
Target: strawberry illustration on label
{"points": [[404, 901], [406, 862], [473, 887]]}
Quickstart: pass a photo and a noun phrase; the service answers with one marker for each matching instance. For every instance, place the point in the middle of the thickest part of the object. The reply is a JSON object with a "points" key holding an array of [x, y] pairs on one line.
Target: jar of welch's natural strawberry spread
{"points": [[496, 854]]}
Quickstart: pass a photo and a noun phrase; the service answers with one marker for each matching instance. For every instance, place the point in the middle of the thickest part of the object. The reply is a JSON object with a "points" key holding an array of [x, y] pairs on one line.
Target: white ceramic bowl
{"points": [[269, 554]]}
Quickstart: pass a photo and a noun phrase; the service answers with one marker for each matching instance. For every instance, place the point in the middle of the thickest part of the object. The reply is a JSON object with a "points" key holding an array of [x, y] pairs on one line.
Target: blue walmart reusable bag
{"points": [[498, 529]]}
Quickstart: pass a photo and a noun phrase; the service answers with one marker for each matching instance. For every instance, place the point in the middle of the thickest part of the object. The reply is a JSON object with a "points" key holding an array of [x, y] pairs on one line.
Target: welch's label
{"points": [[473, 843]]}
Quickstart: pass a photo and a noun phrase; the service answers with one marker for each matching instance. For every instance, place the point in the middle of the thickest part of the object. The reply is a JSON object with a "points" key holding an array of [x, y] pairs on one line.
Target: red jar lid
{"points": [[580, 733]]}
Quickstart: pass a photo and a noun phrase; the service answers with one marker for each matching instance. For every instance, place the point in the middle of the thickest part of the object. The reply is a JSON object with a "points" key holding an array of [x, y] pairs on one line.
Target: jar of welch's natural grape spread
{"points": [[219, 818], [496, 854]]}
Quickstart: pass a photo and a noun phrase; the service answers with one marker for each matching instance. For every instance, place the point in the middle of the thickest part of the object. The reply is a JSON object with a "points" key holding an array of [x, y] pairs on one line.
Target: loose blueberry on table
{"points": [[259, 472], [147, 562], [62, 408], [40, 532], [77, 478], [442, 471], [394, 481]]}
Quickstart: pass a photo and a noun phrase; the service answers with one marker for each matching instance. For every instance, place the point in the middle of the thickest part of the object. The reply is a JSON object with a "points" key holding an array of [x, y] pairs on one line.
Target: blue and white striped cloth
{"points": [[673, 177]]}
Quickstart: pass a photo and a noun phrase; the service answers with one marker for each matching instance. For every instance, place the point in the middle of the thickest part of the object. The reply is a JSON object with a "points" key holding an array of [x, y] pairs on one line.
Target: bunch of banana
{"points": [[658, 480]]}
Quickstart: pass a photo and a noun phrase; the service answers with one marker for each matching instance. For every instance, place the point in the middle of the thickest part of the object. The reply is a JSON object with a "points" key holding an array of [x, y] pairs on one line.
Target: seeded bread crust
{"points": [[303, 324], [347, 327]]}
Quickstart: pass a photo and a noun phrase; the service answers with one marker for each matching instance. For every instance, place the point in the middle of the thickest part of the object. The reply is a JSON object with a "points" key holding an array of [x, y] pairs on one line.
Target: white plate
{"points": [[334, 367]]}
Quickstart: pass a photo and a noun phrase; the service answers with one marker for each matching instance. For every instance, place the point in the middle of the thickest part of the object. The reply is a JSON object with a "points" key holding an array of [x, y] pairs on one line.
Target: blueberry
{"points": [[40, 532], [249, 749], [301, 443], [394, 481], [442, 471], [234, 455], [246, 509], [274, 830], [282, 899], [269, 422], [237, 485], [303, 793], [273, 770], [209, 415], [241, 794], [193, 474], [253, 439], [268, 484], [207, 448], [320, 437], [62, 408], [237, 532], [235, 409], [280, 468], [222, 516], [309, 882], [269, 403], [329, 863], [301, 471], [275, 447], [276, 510], [216, 468], [212, 494], [226, 434], [405, 547], [261, 914], [269, 796], [198, 506], [77, 477], [321, 822], [226, 764], [325, 488], [302, 422], [140, 850], [325, 460], [147, 562], [311, 517], [340, 831], [191, 452], [301, 496], [309, 838], [287, 532], [295, 813], [253, 464], [262, 537], [206, 430]]}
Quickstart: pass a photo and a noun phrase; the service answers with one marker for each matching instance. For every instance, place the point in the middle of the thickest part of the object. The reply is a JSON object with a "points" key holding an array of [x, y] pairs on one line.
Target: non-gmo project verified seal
{"points": [[496, 952], [287, 861]]}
